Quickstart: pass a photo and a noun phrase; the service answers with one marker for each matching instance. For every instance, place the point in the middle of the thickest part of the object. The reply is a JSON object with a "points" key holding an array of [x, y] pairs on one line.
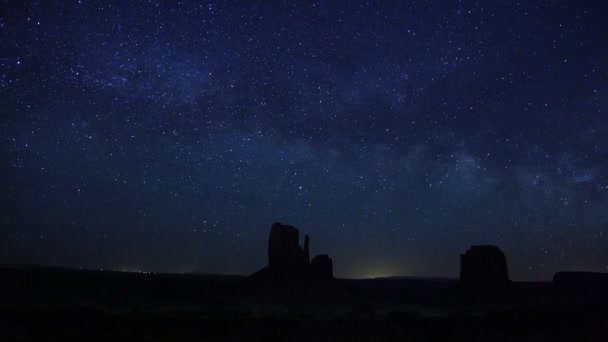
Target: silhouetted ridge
{"points": [[287, 260], [581, 280], [483, 265]]}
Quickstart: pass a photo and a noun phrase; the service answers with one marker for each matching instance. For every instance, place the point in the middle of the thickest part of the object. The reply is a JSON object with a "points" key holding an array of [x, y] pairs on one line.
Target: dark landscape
{"points": [[289, 301], [220, 170]]}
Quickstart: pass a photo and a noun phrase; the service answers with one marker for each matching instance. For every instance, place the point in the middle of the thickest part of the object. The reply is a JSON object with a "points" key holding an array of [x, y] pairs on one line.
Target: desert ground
{"points": [[42, 303]]}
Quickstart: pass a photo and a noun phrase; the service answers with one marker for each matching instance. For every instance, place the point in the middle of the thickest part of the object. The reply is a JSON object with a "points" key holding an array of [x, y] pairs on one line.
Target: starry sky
{"points": [[169, 135]]}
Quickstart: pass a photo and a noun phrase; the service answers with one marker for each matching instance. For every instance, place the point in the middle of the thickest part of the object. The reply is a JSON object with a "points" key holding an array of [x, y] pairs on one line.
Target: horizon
{"points": [[169, 136], [196, 272], [203, 273], [369, 276]]}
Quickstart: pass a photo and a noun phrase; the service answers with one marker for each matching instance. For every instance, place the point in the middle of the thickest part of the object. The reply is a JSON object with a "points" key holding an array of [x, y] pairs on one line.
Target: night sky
{"points": [[169, 136]]}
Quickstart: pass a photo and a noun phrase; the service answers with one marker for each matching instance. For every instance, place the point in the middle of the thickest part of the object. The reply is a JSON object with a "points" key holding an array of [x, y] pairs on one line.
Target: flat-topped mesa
{"points": [[284, 250], [321, 267], [484, 265]]}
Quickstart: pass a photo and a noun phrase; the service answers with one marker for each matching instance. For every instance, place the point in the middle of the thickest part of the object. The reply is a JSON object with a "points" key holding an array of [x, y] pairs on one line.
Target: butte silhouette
{"points": [[288, 261]]}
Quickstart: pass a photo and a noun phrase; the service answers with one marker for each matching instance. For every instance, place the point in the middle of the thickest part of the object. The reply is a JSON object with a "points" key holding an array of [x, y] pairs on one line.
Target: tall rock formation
{"points": [[288, 261], [306, 251], [284, 251], [484, 265]]}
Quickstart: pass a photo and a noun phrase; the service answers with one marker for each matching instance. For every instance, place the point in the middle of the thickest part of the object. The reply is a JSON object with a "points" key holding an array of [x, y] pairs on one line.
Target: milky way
{"points": [[169, 136]]}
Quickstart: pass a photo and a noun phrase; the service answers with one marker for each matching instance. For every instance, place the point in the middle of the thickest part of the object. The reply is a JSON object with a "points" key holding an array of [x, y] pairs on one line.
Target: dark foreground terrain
{"points": [[40, 303]]}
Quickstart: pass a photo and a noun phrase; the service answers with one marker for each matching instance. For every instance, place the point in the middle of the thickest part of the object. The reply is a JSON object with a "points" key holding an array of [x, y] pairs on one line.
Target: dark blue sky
{"points": [[169, 136]]}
